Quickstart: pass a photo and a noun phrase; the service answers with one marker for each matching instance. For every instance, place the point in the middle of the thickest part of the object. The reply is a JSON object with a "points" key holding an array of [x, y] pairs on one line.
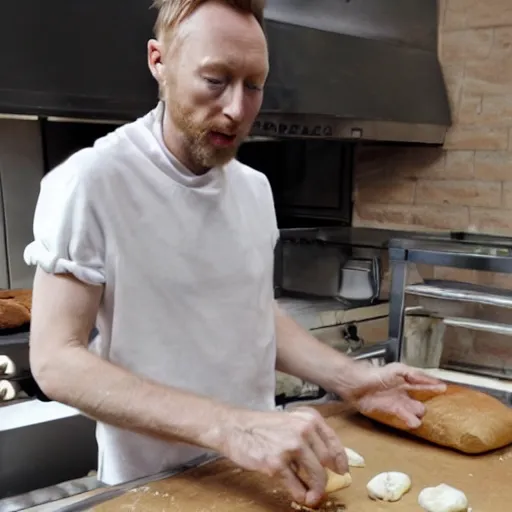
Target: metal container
{"points": [[327, 271]]}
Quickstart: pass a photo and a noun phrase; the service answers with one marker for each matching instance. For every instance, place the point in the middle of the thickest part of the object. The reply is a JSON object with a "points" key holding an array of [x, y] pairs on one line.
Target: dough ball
{"points": [[7, 367], [8, 390], [336, 482], [354, 459], [388, 486], [442, 498]]}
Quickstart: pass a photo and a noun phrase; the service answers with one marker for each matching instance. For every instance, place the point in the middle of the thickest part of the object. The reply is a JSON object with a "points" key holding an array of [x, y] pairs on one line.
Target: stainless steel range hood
{"points": [[354, 69]]}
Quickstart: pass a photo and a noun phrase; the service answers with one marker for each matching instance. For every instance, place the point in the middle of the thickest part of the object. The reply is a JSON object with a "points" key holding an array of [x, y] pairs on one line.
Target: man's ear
{"points": [[156, 61]]}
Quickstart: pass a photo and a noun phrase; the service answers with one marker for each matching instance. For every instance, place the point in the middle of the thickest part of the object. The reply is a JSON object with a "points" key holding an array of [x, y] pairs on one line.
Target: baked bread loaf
{"points": [[15, 308], [462, 418], [22, 296], [13, 314]]}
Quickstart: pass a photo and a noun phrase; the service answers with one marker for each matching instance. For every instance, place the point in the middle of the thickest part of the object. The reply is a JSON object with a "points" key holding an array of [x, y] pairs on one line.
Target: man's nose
{"points": [[234, 108]]}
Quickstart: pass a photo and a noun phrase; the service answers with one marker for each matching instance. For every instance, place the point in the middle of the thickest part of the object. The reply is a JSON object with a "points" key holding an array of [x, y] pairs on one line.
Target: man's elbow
{"points": [[45, 372], [50, 372]]}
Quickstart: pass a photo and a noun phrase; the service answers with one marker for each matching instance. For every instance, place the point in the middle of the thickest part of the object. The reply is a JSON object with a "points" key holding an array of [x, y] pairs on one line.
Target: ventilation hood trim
{"points": [[283, 125]]}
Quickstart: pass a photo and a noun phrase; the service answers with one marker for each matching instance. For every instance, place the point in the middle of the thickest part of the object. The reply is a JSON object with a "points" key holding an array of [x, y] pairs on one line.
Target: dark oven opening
{"points": [[311, 179]]}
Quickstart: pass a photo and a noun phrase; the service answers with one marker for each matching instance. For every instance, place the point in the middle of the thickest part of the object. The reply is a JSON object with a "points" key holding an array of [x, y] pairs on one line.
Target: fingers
{"points": [[303, 476], [404, 411], [411, 421], [337, 459], [410, 412], [325, 443], [293, 484], [322, 448], [422, 392], [425, 381], [312, 474], [401, 377], [416, 408], [415, 377]]}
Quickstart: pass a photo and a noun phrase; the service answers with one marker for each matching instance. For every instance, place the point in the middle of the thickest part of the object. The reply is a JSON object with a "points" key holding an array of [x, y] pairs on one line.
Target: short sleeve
{"points": [[276, 234], [68, 235], [272, 214]]}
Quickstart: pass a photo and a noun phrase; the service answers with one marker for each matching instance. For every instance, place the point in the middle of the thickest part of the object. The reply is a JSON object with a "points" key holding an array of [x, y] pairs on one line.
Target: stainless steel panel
{"points": [[21, 170], [312, 269], [406, 22], [40, 446]]}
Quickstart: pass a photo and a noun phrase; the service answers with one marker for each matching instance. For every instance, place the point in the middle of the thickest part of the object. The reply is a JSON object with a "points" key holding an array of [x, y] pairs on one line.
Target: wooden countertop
{"points": [[221, 487]]}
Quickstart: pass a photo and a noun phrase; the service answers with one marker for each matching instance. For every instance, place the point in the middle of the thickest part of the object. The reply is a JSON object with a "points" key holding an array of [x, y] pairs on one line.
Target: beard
{"points": [[197, 137]]}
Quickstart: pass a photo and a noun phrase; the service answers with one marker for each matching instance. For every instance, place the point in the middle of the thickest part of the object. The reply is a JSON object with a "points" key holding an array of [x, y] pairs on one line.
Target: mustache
{"points": [[231, 129]]}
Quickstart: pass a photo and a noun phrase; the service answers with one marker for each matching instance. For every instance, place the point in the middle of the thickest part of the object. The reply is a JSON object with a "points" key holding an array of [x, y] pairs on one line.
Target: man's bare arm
{"points": [[302, 355], [63, 314]]}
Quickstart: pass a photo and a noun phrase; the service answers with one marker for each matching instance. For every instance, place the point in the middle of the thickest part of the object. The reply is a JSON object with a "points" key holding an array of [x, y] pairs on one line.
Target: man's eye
{"points": [[253, 87], [213, 81]]}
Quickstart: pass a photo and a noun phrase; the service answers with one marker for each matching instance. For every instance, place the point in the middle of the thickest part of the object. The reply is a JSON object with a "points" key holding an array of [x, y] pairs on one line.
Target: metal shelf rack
{"points": [[480, 253]]}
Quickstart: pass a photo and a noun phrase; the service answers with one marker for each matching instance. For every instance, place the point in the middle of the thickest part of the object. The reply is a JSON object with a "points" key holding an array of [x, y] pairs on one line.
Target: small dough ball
{"points": [[8, 390], [443, 498], [336, 482], [388, 486], [354, 459], [7, 367]]}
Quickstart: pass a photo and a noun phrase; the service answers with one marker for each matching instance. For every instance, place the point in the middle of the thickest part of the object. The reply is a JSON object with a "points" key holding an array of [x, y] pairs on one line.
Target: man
{"points": [[163, 240]]}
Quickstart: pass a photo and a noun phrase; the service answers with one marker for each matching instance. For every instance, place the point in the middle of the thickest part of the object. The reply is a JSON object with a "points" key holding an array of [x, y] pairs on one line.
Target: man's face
{"points": [[214, 83]]}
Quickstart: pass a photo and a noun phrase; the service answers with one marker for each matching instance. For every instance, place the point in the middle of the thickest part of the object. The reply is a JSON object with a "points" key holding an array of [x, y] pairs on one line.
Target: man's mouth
{"points": [[222, 139]]}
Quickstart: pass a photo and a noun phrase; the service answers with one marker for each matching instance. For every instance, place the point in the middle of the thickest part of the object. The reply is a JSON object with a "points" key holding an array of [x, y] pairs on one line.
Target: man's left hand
{"points": [[385, 389]]}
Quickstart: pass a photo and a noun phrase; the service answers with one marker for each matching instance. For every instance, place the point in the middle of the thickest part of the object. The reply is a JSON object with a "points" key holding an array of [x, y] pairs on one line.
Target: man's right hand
{"points": [[285, 445]]}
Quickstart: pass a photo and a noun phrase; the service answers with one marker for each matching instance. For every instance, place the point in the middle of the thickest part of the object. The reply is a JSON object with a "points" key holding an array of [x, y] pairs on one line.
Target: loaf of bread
{"points": [[15, 308], [462, 418], [21, 296], [13, 314]]}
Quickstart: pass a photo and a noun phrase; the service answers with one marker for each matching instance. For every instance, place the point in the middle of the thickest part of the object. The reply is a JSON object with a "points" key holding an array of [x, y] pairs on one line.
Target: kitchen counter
{"points": [[73, 504], [220, 485]]}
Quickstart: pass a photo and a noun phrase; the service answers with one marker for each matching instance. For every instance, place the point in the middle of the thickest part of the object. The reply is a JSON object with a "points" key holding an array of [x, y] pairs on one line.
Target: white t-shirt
{"points": [[187, 265]]}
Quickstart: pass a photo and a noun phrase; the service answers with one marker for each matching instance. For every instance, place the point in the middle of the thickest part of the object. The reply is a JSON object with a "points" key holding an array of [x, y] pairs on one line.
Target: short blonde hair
{"points": [[172, 12]]}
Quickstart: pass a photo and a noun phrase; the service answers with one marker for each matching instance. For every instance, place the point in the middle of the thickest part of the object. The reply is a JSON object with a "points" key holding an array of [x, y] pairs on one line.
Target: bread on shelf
{"points": [[22, 296], [15, 308], [13, 314]]}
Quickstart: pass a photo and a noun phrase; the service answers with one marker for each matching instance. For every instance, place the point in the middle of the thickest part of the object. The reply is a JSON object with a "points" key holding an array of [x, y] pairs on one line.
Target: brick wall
{"points": [[467, 184]]}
